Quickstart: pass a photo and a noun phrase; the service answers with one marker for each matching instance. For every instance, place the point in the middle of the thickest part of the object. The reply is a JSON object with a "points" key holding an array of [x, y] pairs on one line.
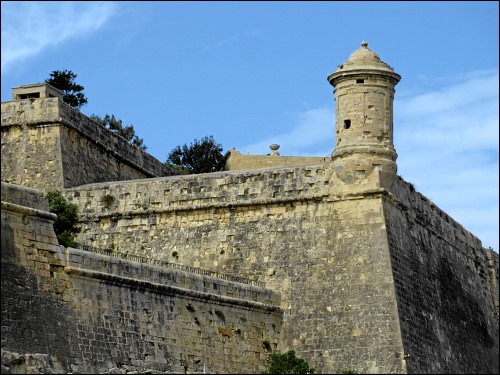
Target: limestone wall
{"points": [[47, 144], [236, 161], [367, 276], [140, 214], [68, 310], [446, 285], [371, 280], [296, 229]]}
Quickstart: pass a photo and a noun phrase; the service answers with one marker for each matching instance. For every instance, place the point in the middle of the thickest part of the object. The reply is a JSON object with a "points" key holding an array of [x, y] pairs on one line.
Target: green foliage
{"points": [[179, 168], [65, 81], [65, 225], [287, 363], [203, 156], [116, 126], [349, 371]]}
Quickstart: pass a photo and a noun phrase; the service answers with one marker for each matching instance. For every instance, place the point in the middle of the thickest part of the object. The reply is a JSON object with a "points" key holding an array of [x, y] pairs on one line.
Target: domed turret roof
{"points": [[363, 59]]}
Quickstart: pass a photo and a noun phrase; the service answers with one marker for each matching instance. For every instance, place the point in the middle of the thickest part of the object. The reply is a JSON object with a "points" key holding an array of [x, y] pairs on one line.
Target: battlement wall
{"points": [[48, 144], [199, 282], [24, 196], [68, 310]]}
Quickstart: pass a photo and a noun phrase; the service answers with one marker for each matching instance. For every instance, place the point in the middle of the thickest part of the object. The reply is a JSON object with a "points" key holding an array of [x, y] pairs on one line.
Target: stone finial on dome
{"points": [[364, 44]]}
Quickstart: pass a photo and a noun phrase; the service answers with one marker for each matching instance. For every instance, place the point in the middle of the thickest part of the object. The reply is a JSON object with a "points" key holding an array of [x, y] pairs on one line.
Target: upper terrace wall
{"points": [[68, 310], [48, 144]]}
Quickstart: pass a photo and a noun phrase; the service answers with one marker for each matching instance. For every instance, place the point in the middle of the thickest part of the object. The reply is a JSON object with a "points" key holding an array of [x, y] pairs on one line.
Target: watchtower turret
{"points": [[364, 94]]}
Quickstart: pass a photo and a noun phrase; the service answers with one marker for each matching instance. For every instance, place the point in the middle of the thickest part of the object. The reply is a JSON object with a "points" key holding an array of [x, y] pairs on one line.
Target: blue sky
{"points": [[254, 73]]}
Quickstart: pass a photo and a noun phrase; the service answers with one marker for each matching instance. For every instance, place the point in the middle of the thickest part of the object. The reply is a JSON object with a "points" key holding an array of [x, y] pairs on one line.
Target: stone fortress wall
{"points": [[78, 311], [289, 227], [360, 270], [347, 262]]}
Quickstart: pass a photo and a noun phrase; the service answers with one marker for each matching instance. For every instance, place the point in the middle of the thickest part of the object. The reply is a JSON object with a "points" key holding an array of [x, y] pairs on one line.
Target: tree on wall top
{"points": [[116, 126], [202, 156], [65, 81]]}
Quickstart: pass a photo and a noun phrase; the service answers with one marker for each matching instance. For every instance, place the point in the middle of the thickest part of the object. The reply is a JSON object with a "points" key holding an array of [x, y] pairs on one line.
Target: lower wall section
{"points": [[68, 310], [140, 316]]}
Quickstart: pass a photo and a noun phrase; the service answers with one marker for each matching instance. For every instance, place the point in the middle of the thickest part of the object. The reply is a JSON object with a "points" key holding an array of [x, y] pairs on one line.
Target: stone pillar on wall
{"points": [[364, 94]]}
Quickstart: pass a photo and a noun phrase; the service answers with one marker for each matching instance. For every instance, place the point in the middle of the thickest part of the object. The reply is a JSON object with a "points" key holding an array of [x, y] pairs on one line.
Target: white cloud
{"points": [[447, 141], [448, 146], [29, 27], [311, 135]]}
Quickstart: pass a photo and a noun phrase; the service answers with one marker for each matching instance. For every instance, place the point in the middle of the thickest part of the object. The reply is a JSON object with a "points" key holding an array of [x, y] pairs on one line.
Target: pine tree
{"points": [[65, 81]]}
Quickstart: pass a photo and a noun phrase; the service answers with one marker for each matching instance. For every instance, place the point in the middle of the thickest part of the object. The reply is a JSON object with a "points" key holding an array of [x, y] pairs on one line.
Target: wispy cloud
{"points": [[246, 34], [311, 135], [29, 27], [447, 141]]}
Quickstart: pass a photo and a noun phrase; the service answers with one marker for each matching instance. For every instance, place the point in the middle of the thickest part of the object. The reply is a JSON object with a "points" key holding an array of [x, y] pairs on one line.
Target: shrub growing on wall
{"points": [[65, 225], [287, 363]]}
